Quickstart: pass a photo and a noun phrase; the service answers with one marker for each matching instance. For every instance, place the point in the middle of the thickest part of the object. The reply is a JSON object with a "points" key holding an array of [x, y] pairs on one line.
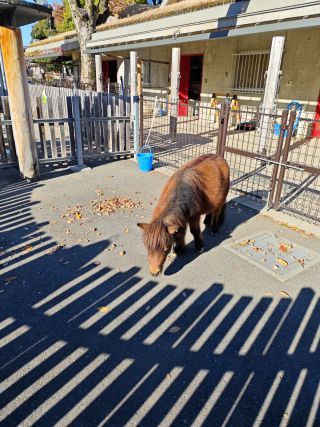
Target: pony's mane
{"points": [[184, 203], [187, 198], [156, 238]]}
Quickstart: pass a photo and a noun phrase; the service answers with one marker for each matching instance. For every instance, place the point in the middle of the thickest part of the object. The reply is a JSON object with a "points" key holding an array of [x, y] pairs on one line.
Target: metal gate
{"points": [[273, 161], [297, 174], [282, 172]]}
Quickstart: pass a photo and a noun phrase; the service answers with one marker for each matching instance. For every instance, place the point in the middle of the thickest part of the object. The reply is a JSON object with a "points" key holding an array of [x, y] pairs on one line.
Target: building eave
{"points": [[278, 27], [53, 49], [215, 22]]}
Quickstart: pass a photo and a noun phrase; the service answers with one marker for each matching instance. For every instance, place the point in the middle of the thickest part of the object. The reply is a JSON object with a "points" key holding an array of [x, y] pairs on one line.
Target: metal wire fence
{"points": [[300, 193], [252, 140], [195, 132]]}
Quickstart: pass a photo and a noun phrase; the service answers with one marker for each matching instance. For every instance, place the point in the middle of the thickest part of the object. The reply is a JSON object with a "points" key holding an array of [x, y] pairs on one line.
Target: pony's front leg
{"points": [[196, 232], [179, 242]]}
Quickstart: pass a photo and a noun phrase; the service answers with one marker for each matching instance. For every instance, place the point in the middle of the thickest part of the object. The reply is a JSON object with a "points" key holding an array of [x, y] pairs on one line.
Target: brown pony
{"points": [[199, 187]]}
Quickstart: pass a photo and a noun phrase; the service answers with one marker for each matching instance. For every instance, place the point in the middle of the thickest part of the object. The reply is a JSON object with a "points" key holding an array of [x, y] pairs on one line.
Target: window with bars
{"points": [[249, 71]]}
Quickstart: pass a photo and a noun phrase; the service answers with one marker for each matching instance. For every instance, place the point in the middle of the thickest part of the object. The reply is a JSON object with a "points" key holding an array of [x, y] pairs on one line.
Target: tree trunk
{"points": [[85, 26], [88, 71]]}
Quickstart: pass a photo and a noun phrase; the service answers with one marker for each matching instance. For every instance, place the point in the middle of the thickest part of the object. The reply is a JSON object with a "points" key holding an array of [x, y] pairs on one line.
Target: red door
{"points": [[184, 85], [316, 124], [105, 73]]}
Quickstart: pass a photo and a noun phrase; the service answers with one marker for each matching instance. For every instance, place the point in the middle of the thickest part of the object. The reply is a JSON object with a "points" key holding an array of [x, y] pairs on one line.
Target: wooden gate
{"points": [[69, 121], [70, 125]]}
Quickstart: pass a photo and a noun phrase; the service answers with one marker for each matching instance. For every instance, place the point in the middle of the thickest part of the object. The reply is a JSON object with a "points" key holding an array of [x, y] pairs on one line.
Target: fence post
{"points": [[99, 73], [70, 126], [19, 100], [284, 159], [223, 128], [140, 94], [175, 84], [273, 182], [77, 131], [271, 90], [134, 101]]}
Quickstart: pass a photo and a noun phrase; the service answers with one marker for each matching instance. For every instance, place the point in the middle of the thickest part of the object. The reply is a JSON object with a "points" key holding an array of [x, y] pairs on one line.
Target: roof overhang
{"points": [[52, 50], [228, 20], [236, 32], [16, 13]]}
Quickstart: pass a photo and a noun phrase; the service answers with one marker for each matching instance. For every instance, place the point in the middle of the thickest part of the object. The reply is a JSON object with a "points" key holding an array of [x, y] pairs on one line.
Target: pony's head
{"points": [[158, 239]]}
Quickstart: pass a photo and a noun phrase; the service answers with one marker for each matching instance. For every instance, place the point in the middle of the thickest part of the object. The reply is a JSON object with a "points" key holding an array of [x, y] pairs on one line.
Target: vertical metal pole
{"points": [[175, 84], [271, 90], [77, 130], [223, 128], [140, 94], [99, 73], [284, 159], [277, 157], [134, 101]]}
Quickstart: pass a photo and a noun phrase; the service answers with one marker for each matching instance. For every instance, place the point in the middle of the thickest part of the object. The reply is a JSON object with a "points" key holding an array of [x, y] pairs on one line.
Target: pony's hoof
{"points": [[179, 251], [199, 247], [207, 220]]}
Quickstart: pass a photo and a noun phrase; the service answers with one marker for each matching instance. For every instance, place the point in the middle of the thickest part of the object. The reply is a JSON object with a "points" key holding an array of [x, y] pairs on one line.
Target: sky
{"points": [[26, 31], [26, 34]]}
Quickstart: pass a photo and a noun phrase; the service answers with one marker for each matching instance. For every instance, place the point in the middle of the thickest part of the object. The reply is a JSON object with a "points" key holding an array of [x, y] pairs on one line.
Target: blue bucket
{"points": [[145, 161], [276, 130]]}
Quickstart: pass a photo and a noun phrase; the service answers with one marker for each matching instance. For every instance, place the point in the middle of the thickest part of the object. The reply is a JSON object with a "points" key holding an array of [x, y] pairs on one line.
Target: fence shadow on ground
{"points": [[156, 355]]}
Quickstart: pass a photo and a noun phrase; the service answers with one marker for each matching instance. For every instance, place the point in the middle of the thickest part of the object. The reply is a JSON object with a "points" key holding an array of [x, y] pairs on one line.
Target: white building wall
{"points": [[300, 69]]}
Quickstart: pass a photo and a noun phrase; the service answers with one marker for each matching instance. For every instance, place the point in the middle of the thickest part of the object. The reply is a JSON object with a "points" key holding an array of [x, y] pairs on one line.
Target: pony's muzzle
{"points": [[155, 273]]}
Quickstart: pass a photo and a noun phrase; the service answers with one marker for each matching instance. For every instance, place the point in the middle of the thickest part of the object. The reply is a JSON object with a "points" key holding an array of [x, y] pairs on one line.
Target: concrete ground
{"points": [[88, 338]]}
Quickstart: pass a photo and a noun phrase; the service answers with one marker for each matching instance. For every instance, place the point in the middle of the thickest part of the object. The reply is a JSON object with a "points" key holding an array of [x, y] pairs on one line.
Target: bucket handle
{"points": [[147, 147]]}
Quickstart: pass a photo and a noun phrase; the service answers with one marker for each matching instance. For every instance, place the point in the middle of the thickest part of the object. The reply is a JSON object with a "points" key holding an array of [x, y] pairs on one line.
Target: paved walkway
{"points": [[88, 338]]}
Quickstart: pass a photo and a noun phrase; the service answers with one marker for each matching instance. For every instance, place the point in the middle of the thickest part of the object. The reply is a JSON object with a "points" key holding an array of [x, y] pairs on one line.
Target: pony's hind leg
{"points": [[222, 215], [217, 219], [196, 232]]}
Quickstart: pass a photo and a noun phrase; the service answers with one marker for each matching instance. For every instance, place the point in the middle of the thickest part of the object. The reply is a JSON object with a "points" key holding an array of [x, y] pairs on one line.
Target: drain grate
{"points": [[279, 257]]}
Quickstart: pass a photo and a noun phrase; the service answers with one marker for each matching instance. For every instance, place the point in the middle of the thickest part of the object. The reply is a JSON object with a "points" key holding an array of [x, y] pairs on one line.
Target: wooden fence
{"points": [[69, 124], [104, 123], [8, 154]]}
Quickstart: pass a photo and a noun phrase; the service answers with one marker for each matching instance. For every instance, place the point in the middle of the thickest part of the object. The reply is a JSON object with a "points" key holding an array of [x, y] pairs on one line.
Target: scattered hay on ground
{"points": [[111, 206]]}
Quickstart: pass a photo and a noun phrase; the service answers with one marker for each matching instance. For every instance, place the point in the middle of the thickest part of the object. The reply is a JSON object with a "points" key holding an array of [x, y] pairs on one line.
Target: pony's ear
{"points": [[143, 225], [172, 229]]}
